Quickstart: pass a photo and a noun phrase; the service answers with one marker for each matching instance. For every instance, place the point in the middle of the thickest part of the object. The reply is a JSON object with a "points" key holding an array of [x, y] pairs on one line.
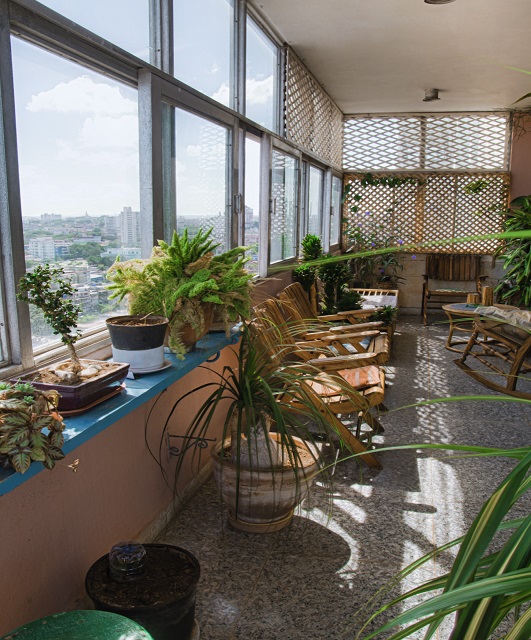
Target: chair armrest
{"points": [[337, 363], [351, 336]]}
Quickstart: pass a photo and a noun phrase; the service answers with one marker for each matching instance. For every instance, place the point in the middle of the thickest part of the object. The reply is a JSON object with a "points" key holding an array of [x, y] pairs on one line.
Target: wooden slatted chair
{"points": [[504, 350], [340, 390], [364, 337], [451, 268]]}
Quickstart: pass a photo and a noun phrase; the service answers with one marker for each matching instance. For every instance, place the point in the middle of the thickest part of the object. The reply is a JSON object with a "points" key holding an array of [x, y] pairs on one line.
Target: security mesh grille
{"points": [[312, 119], [432, 142], [430, 211]]}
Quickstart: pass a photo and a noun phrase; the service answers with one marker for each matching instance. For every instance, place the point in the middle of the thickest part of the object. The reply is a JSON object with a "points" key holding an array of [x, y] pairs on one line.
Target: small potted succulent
{"points": [[30, 427], [79, 382]]}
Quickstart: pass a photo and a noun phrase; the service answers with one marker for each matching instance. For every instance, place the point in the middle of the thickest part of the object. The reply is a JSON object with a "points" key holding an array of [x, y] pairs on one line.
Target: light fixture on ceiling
{"points": [[438, 1], [430, 95]]}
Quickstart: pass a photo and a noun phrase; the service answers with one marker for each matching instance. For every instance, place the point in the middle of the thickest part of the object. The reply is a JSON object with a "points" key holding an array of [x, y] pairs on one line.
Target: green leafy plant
{"points": [[256, 395], [48, 289], [181, 281], [483, 586], [515, 286], [312, 249], [334, 275], [386, 314], [30, 427]]}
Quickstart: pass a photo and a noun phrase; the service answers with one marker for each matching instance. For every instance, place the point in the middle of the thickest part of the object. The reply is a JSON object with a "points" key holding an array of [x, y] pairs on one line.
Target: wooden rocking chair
{"points": [[505, 351]]}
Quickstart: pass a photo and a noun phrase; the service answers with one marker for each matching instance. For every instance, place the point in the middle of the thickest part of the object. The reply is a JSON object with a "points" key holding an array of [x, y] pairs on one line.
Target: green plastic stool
{"points": [[80, 625]]}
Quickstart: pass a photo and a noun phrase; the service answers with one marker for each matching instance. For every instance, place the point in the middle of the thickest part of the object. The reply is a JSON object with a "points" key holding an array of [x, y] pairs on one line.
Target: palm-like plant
{"points": [[256, 399], [483, 587]]}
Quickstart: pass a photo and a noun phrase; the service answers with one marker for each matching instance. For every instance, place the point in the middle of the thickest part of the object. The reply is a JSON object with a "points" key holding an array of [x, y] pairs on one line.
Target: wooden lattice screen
{"points": [[429, 211], [312, 119]]}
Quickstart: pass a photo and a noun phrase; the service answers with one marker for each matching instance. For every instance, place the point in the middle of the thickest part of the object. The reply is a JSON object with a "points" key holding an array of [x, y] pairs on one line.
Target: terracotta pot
{"points": [[263, 501], [187, 333]]}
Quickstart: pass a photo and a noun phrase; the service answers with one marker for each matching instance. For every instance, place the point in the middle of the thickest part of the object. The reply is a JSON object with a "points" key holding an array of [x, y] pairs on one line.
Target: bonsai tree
{"points": [[49, 290], [30, 427], [182, 280]]}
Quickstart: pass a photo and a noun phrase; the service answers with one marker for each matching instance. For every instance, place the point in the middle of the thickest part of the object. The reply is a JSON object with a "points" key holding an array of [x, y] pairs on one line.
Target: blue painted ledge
{"points": [[81, 428]]}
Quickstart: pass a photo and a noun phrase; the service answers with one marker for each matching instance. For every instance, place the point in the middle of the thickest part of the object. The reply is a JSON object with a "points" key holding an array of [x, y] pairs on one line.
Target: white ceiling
{"points": [[379, 56]]}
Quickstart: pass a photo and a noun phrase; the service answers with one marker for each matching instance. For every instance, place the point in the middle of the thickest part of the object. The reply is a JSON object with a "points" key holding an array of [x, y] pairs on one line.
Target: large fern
{"points": [[180, 278]]}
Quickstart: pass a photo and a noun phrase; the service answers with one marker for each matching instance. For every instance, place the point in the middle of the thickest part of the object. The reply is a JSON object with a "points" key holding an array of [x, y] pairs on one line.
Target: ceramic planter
{"points": [[138, 340], [263, 501], [79, 396]]}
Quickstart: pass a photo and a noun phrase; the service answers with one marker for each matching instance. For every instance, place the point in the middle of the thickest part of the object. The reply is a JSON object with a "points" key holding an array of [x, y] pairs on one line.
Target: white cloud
{"points": [[83, 95], [259, 91], [222, 94], [193, 150], [214, 68], [106, 132]]}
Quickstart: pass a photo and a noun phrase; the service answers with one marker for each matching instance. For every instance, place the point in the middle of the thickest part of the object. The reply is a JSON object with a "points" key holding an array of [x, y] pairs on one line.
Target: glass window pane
{"points": [[203, 46], [122, 22], [77, 134], [260, 84], [335, 215], [252, 201], [283, 240], [315, 200], [202, 170]]}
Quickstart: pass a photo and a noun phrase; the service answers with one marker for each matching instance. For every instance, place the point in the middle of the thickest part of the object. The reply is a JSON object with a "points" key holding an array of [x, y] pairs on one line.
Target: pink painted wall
{"points": [[56, 524], [521, 158]]}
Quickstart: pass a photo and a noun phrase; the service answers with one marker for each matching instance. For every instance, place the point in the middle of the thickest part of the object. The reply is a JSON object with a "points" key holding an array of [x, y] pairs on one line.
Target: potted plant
{"points": [[267, 458], [138, 340], [186, 282], [335, 274], [515, 286], [30, 427], [306, 274], [79, 382], [387, 315]]}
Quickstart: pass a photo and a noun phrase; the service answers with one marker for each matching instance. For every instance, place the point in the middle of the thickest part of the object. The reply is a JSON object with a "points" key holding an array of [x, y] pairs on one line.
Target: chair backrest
{"points": [[452, 267], [297, 303]]}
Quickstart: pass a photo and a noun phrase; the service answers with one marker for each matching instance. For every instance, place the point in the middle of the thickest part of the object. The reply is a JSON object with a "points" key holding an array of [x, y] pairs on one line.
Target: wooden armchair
{"points": [[338, 391], [447, 267], [504, 353], [362, 336]]}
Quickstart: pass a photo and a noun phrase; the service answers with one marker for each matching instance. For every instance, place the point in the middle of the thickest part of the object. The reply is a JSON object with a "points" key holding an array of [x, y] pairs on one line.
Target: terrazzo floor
{"points": [[313, 580]]}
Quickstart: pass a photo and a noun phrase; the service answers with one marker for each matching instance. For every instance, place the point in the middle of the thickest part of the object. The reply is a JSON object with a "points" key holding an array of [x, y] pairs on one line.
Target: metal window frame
{"points": [[43, 27]]}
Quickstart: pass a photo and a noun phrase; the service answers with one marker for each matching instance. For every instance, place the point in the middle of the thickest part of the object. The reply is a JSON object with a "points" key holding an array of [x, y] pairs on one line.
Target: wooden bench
{"points": [[448, 267]]}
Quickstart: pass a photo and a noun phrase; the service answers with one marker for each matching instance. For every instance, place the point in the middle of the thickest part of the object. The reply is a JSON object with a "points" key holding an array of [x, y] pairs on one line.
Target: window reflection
{"points": [[122, 22], [283, 237], [260, 85], [202, 161], [77, 135], [203, 46]]}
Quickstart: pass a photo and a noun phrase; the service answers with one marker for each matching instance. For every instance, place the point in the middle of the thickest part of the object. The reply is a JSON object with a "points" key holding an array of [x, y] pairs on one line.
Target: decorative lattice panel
{"points": [[432, 142], [426, 212], [312, 119]]}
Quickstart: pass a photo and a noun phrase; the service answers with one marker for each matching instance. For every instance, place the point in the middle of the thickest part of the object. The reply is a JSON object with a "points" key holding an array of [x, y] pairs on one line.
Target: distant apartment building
{"points": [[110, 225], [50, 217], [62, 250], [130, 227], [124, 253], [42, 248]]}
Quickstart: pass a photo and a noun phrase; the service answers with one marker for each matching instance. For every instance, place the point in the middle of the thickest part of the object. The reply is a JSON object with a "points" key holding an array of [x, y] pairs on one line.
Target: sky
{"points": [[77, 130]]}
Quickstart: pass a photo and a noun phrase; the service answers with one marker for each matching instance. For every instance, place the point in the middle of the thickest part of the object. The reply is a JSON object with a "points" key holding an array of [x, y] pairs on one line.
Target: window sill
{"points": [[80, 429]]}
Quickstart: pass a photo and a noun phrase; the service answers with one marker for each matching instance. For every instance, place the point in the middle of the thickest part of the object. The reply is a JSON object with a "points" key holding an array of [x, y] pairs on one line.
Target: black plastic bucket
{"points": [[171, 614]]}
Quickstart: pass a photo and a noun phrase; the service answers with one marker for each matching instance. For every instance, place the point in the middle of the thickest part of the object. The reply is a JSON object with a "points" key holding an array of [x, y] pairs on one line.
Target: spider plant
{"points": [[267, 411], [483, 586]]}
